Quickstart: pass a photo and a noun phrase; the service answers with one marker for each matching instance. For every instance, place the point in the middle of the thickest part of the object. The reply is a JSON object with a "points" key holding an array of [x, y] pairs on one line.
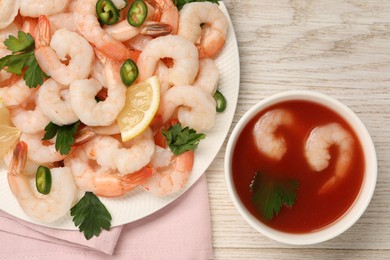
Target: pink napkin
{"points": [[182, 230]]}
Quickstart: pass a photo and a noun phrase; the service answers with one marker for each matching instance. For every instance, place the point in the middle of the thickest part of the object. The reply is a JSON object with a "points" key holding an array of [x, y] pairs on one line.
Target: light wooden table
{"points": [[340, 48]]}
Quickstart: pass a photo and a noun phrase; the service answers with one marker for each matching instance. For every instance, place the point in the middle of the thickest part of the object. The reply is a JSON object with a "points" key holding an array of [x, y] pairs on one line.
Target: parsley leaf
{"points": [[181, 139], [180, 3], [23, 57], [65, 135], [270, 195], [50, 131], [91, 216], [34, 75], [24, 42]]}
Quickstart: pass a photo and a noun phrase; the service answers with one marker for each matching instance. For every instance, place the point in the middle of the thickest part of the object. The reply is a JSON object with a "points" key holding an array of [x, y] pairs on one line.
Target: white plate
{"points": [[138, 203]]}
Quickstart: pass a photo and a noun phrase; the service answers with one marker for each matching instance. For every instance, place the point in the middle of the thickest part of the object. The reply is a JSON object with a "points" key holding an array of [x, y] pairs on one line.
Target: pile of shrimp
{"points": [[83, 60]]}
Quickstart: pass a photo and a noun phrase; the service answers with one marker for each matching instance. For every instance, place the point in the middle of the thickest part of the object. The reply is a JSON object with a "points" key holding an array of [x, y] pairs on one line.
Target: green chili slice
{"points": [[137, 13], [43, 179], [107, 12], [129, 72], [221, 101]]}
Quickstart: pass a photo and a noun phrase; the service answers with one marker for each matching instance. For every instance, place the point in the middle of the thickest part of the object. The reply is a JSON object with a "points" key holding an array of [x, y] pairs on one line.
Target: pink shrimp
{"points": [[166, 12], [88, 25], [172, 176], [317, 151], [104, 181], [64, 45], [204, 24], [42, 208]]}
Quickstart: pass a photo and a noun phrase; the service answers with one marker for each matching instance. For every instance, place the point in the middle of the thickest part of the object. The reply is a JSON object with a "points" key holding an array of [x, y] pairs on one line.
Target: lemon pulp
{"points": [[9, 135], [142, 101]]}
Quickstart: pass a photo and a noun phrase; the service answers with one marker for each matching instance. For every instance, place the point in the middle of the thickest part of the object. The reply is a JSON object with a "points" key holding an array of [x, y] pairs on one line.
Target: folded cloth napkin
{"points": [[181, 230]]}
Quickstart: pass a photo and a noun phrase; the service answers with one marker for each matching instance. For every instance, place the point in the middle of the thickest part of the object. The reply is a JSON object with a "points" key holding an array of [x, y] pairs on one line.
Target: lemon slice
{"points": [[5, 118], [9, 135], [142, 101]]}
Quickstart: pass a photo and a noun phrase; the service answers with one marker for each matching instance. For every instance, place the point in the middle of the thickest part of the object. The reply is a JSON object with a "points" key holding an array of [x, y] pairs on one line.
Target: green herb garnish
{"points": [[181, 140], [180, 3], [22, 57], [270, 195], [65, 136], [91, 216]]}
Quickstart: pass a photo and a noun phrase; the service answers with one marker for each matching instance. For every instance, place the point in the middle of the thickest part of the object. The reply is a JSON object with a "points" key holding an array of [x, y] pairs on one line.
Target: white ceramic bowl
{"points": [[366, 191]]}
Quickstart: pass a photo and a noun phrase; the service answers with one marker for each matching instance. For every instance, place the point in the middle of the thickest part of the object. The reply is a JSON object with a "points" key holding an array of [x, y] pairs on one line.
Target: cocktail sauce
{"points": [[311, 211]]}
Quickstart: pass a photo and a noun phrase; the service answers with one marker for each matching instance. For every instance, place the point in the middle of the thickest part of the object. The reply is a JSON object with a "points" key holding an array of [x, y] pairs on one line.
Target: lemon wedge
{"points": [[9, 135], [142, 101], [5, 118]]}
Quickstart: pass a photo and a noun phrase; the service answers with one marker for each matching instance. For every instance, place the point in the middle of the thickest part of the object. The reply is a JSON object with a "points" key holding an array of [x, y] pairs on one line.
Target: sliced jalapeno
{"points": [[221, 101], [107, 12], [129, 72], [137, 13], [43, 179]]}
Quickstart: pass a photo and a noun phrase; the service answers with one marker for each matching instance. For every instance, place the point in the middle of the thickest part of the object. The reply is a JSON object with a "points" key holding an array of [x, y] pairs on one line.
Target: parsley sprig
{"points": [[65, 136], [270, 195], [180, 3], [23, 58], [181, 139], [90, 215]]}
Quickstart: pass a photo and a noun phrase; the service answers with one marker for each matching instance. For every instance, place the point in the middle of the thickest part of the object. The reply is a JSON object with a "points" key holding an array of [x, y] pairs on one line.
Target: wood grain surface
{"points": [[337, 47]]}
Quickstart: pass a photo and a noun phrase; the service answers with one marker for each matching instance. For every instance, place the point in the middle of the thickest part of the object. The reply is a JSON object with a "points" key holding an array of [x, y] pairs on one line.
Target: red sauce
{"points": [[311, 211]]}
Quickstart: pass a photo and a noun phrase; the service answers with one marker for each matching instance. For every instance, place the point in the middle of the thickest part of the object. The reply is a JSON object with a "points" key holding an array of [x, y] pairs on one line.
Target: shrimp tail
{"points": [[137, 178], [19, 158], [155, 29], [129, 54], [100, 56], [84, 135], [16, 166], [103, 58], [42, 32]]}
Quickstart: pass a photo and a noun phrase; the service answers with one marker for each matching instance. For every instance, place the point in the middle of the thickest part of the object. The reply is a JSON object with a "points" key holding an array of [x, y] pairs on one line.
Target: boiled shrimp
{"points": [[36, 8], [16, 93], [83, 92], [42, 208], [196, 107], [204, 24], [65, 46], [162, 73], [317, 151], [208, 76], [171, 177], [125, 158], [88, 25], [123, 31], [112, 129], [8, 11], [97, 72], [138, 42], [29, 117], [166, 12], [89, 175], [61, 21], [136, 153], [39, 151], [266, 141], [54, 101], [183, 52]]}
